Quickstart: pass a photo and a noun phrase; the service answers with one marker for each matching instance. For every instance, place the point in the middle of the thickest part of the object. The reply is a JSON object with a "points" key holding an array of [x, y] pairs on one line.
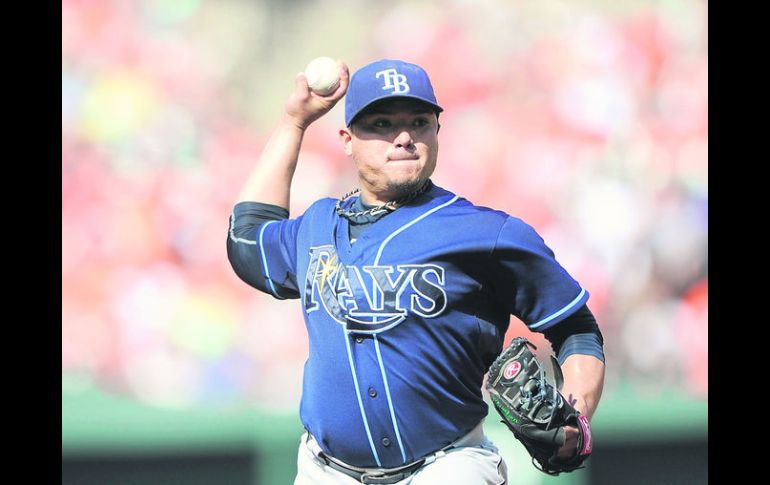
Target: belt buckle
{"points": [[381, 478]]}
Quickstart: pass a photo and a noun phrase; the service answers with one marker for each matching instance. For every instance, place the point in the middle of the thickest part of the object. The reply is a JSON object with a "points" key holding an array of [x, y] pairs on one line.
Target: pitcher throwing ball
{"points": [[407, 290]]}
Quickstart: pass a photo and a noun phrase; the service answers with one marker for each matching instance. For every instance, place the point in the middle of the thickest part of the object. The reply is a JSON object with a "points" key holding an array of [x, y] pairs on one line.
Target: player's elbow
{"points": [[243, 259]]}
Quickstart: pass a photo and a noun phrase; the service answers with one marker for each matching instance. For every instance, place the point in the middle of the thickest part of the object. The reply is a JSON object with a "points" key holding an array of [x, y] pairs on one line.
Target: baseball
{"points": [[323, 75]]}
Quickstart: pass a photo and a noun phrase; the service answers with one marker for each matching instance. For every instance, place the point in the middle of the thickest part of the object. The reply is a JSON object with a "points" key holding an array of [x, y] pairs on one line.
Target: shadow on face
{"points": [[373, 122]]}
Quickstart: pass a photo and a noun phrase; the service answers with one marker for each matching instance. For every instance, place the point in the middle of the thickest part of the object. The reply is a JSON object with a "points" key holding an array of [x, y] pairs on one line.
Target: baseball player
{"points": [[406, 290]]}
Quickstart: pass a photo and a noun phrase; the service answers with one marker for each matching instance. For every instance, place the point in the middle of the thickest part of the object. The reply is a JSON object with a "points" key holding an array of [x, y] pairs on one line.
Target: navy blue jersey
{"points": [[404, 323]]}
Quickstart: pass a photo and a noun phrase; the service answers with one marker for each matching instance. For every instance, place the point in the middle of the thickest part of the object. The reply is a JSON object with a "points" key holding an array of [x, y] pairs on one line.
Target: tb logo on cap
{"points": [[394, 81]]}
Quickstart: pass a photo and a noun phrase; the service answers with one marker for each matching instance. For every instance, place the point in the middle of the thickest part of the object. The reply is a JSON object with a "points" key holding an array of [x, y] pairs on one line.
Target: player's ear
{"points": [[347, 141]]}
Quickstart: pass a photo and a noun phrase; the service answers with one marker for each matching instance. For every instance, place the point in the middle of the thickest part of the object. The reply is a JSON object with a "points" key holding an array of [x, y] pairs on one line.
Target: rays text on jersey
{"points": [[369, 298]]}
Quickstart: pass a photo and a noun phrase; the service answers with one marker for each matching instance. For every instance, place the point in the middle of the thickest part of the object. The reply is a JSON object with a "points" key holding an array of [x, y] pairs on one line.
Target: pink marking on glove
{"points": [[588, 443]]}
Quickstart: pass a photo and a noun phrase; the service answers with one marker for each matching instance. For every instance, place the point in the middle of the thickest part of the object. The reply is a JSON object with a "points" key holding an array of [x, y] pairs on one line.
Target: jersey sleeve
{"points": [[262, 248], [528, 281]]}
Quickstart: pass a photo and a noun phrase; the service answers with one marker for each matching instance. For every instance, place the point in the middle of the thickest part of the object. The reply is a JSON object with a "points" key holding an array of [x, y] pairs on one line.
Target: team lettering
{"points": [[393, 80], [371, 299]]}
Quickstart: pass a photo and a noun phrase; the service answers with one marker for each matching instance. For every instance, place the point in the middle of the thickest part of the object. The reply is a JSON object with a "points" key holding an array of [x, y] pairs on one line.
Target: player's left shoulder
{"points": [[463, 216], [461, 206]]}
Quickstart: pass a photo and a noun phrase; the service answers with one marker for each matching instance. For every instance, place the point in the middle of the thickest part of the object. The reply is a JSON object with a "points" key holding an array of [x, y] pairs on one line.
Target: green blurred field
{"points": [[102, 426]]}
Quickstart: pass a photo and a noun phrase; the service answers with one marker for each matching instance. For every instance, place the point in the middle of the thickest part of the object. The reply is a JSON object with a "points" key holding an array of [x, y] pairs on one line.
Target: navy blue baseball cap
{"points": [[387, 78]]}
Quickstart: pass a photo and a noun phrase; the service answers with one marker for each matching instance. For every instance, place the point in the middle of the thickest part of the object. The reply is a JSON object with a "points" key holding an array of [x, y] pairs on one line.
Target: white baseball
{"points": [[323, 75]]}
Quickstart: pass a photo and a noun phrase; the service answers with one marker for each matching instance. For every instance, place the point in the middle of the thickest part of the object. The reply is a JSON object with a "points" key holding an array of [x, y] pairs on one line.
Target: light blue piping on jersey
{"points": [[387, 393], [264, 259], [400, 230], [360, 404], [560, 312], [376, 342], [407, 225], [261, 250]]}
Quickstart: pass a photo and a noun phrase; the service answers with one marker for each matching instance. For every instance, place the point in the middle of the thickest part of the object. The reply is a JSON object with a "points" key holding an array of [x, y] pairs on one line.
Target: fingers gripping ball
{"points": [[534, 409], [323, 75]]}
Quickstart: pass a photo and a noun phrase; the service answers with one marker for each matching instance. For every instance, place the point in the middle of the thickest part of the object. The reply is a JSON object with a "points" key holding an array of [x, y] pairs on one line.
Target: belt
{"points": [[378, 475], [387, 476]]}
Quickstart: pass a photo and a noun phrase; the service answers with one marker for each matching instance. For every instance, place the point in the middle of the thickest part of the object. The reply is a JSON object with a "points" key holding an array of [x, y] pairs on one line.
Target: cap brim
{"points": [[436, 107]]}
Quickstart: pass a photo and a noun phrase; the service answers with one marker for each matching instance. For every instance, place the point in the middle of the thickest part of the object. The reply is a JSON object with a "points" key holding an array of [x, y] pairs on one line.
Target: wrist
{"points": [[580, 403], [293, 123]]}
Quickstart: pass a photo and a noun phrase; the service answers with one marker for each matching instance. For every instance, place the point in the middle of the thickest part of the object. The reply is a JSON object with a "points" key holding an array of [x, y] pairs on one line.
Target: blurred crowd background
{"points": [[588, 119]]}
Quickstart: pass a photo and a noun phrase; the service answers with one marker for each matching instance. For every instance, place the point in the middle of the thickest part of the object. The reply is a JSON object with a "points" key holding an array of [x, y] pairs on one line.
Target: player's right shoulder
{"points": [[319, 206], [319, 214], [323, 206]]}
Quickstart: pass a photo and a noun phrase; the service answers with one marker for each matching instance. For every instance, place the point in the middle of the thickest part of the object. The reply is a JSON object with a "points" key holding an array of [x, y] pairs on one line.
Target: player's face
{"points": [[394, 145]]}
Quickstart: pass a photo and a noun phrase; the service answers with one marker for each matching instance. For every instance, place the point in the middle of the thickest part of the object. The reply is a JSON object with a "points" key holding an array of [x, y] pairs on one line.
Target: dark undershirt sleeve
{"points": [[576, 334], [245, 222]]}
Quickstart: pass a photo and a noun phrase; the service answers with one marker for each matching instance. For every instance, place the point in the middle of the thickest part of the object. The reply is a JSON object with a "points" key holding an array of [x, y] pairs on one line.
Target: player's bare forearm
{"points": [[270, 181], [583, 382]]}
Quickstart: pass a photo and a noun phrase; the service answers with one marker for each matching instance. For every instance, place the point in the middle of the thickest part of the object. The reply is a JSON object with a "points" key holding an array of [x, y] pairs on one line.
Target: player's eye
{"points": [[420, 122], [381, 123]]}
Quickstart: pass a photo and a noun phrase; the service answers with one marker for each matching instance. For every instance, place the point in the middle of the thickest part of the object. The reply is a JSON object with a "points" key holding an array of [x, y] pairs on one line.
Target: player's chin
{"points": [[400, 186]]}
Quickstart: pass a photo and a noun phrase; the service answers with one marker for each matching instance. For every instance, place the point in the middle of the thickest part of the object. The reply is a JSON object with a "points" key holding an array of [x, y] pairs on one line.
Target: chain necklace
{"points": [[379, 210]]}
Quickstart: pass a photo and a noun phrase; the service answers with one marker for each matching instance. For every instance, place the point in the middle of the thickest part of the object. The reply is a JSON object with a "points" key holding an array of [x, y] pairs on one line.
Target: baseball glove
{"points": [[534, 410]]}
